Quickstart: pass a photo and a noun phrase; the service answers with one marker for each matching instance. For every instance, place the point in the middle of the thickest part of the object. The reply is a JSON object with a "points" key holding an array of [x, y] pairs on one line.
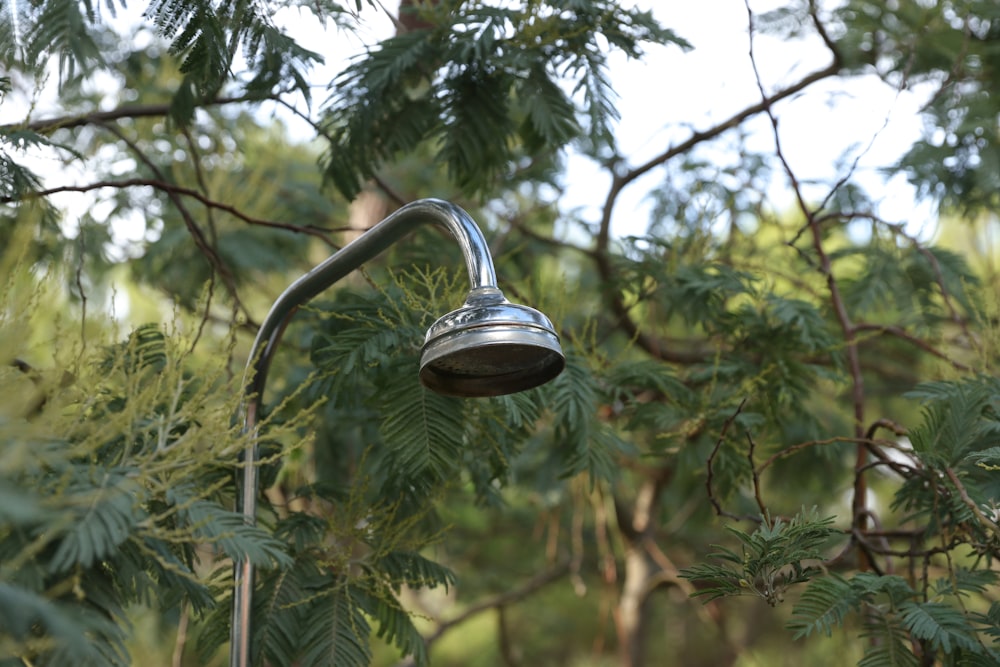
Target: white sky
{"points": [[670, 93]]}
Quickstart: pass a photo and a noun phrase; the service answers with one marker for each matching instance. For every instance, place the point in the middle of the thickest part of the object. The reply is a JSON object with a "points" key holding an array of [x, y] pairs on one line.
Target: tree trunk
{"points": [[630, 616], [632, 607]]}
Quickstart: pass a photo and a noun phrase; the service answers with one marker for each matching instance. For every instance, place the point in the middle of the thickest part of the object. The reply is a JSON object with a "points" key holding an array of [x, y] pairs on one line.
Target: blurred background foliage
{"points": [[775, 440]]}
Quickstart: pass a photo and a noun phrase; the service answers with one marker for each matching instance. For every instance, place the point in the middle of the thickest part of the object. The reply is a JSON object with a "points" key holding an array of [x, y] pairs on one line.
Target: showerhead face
{"points": [[490, 347]]}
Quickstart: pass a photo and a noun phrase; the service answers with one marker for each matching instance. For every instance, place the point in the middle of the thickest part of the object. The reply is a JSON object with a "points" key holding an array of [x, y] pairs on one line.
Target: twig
{"points": [[213, 232], [172, 189], [79, 287], [177, 660], [48, 125], [891, 330], [710, 476], [206, 249], [756, 479], [858, 503], [529, 587], [971, 504]]}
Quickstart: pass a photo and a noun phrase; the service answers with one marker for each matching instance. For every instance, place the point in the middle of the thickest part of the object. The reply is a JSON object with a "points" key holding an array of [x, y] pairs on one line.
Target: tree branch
{"points": [[529, 587], [602, 258], [206, 249], [710, 476], [898, 332], [172, 189], [49, 125]]}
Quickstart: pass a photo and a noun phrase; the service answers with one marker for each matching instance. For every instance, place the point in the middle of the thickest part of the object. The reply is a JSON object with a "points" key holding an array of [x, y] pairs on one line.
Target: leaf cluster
{"points": [[956, 161], [419, 441], [776, 555], [892, 614], [206, 36], [953, 490], [489, 87], [115, 492]]}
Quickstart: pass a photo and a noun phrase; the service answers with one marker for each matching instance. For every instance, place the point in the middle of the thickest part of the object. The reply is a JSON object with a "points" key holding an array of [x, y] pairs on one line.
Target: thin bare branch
{"points": [[206, 249], [898, 332], [526, 589], [321, 233], [756, 478], [602, 256], [49, 125], [710, 466]]}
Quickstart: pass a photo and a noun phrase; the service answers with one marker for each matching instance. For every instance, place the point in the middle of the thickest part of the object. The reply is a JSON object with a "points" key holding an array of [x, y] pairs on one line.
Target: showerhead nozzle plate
{"points": [[490, 347]]}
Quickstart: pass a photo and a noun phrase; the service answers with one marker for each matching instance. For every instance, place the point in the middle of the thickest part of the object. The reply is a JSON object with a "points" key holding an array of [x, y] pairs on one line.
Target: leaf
{"points": [[823, 606], [105, 518], [338, 632], [477, 127], [944, 626], [81, 637], [422, 430], [412, 569], [395, 625], [801, 321], [18, 506], [772, 558], [228, 530], [957, 421], [550, 115], [63, 30], [282, 608], [888, 645]]}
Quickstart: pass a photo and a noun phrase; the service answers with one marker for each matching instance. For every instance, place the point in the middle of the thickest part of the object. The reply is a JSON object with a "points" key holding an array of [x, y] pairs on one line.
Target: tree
{"points": [[793, 406]]}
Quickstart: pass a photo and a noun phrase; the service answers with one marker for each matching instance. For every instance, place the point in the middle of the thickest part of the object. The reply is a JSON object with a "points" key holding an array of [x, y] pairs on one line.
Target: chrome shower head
{"points": [[490, 347]]}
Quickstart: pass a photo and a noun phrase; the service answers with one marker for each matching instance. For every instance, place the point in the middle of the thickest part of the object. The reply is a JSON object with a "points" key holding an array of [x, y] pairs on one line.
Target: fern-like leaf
{"points": [[550, 118], [421, 429], [228, 530], [889, 645], [823, 606], [412, 569], [338, 632], [395, 625], [81, 636], [105, 520], [944, 626], [281, 609]]}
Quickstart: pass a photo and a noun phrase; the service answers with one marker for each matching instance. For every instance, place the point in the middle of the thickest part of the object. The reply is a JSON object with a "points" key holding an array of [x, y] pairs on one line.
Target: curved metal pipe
{"points": [[479, 263]]}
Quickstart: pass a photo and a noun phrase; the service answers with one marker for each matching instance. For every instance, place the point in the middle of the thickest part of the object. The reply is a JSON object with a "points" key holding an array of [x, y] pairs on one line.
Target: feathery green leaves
{"points": [[776, 555], [485, 87], [893, 616]]}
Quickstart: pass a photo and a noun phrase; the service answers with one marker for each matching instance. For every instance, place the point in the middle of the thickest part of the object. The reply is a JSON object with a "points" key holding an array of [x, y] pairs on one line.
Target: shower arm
{"points": [[479, 263]]}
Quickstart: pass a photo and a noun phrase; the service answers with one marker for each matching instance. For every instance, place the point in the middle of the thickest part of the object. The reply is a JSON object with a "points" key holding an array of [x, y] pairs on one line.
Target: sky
{"points": [[670, 93]]}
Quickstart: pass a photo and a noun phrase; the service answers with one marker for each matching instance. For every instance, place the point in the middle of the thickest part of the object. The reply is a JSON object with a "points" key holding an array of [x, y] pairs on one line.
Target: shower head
{"points": [[490, 347]]}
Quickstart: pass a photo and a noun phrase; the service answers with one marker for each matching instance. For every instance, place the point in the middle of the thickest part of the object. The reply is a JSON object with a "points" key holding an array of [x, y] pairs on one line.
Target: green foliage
{"points": [[484, 87], [204, 35], [956, 160], [60, 28], [16, 180], [114, 496], [734, 361], [892, 614], [423, 440], [954, 489], [771, 558], [924, 281]]}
